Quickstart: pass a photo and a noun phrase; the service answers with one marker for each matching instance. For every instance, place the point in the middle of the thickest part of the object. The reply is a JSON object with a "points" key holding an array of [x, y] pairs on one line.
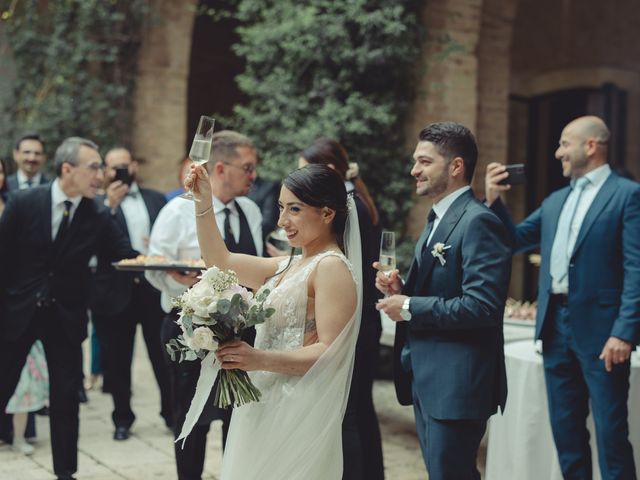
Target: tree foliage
{"points": [[338, 69], [76, 65]]}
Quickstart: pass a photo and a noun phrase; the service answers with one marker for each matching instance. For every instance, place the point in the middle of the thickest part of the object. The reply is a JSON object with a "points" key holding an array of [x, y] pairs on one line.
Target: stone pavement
{"points": [[148, 454]]}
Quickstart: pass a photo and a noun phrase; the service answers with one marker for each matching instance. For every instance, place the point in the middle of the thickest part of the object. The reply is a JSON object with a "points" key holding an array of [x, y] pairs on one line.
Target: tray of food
{"points": [[142, 262]]}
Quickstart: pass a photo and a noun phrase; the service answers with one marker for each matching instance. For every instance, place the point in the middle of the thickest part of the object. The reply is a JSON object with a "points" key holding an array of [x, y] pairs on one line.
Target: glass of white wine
{"points": [[200, 147], [387, 252]]}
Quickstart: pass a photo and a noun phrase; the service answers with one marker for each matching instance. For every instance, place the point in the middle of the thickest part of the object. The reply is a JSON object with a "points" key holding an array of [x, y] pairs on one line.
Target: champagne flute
{"points": [[200, 147], [387, 252]]}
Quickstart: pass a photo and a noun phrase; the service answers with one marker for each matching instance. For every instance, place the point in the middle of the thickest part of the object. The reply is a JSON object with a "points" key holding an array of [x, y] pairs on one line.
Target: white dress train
{"points": [[295, 431]]}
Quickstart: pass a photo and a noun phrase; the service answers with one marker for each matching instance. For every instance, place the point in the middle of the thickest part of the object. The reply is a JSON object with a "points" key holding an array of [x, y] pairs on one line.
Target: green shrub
{"points": [[338, 69], [75, 68]]}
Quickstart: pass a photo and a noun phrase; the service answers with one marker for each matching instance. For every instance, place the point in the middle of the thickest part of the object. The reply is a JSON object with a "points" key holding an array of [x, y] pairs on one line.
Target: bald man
{"points": [[588, 297]]}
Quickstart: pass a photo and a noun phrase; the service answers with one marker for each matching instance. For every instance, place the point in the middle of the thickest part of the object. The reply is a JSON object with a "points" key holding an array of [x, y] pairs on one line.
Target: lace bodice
{"points": [[285, 329]]}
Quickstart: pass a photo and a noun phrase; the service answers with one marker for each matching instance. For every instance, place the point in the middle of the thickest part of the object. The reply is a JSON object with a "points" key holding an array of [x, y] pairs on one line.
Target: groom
{"points": [[449, 358]]}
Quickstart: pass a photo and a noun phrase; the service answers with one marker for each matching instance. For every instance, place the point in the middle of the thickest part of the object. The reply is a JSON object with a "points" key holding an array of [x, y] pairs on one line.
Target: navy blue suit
{"points": [[603, 301], [449, 358]]}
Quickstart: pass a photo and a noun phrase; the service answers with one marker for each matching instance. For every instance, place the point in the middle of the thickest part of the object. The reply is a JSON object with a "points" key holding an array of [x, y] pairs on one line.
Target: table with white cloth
{"points": [[520, 442]]}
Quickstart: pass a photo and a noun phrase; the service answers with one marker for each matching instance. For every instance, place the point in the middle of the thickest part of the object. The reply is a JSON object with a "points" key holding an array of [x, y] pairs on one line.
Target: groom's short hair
{"points": [[453, 140]]}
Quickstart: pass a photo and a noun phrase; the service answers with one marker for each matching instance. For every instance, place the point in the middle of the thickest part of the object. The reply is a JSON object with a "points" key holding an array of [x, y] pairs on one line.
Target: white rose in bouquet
{"points": [[217, 310], [202, 339]]}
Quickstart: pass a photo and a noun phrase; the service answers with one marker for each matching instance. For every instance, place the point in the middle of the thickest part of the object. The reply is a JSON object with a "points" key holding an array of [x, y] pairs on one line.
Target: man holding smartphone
{"points": [[121, 300], [588, 314]]}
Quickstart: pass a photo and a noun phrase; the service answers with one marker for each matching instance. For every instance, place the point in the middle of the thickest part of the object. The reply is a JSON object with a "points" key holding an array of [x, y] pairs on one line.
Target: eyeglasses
{"points": [[95, 167], [248, 168]]}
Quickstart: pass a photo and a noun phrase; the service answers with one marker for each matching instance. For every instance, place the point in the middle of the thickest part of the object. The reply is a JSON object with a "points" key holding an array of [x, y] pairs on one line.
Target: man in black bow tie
{"points": [[122, 300]]}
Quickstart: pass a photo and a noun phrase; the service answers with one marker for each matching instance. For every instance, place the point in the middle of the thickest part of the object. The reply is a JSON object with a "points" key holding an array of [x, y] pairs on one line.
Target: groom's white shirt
{"points": [[443, 205]]}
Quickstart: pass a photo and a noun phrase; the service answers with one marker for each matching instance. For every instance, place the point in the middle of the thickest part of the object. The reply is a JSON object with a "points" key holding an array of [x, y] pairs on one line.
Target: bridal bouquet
{"points": [[217, 310]]}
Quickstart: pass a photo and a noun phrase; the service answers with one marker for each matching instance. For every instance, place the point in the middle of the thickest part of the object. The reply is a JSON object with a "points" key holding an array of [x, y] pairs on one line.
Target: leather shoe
{"points": [[82, 395], [67, 477], [121, 433]]}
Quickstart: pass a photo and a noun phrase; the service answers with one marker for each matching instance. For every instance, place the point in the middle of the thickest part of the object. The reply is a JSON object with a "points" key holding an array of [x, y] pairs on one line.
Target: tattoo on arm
{"points": [[310, 325]]}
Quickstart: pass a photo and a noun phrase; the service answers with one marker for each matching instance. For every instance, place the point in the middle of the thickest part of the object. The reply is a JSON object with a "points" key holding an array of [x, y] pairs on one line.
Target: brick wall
{"points": [[160, 116]]}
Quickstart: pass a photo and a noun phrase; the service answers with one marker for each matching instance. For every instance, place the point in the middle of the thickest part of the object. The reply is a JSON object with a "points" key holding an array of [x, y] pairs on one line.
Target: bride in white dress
{"points": [[303, 356]]}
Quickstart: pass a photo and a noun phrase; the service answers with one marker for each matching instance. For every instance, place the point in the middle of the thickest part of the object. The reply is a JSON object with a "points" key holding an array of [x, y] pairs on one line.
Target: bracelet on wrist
{"points": [[204, 212]]}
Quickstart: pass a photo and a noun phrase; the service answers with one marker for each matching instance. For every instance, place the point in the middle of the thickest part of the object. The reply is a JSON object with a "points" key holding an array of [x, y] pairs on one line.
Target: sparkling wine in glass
{"points": [[201, 147], [387, 252]]}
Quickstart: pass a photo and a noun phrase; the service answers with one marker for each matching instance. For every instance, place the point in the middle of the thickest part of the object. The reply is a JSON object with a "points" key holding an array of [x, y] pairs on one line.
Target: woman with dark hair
{"points": [[303, 356], [360, 429]]}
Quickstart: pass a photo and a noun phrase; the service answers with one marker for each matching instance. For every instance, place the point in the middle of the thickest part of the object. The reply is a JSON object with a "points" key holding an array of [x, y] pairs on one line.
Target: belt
{"points": [[561, 299]]}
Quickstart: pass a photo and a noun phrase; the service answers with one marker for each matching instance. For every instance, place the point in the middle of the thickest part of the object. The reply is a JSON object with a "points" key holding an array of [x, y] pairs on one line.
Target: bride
{"points": [[303, 356]]}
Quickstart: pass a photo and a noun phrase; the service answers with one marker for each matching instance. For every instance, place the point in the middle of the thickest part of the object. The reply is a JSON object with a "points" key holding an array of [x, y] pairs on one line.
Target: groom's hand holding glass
{"points": [[390, 284]]}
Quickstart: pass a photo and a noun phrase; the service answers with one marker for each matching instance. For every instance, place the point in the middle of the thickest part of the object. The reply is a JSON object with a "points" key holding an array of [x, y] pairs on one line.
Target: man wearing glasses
{"points": [[232, 170], [47, 236]]}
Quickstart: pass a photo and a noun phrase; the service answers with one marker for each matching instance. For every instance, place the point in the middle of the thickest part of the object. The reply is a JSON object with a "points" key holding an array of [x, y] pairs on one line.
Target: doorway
{"points": [[212, 89], [536, 124]]}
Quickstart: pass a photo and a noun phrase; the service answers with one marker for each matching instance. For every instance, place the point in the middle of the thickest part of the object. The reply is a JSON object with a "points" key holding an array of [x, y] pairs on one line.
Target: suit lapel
{"points": [[420, 245], [441, 235], [152, 208], [602, 198], [45, 208], [554, 211]]}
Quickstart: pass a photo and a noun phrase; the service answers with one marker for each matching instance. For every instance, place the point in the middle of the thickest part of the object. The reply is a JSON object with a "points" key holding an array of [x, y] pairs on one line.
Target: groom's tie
{"points": [[561, 250], [430, 221], [420, 248]]}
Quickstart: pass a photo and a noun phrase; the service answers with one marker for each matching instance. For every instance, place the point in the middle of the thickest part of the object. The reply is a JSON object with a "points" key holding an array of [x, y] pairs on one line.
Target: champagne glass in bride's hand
{"points": [[200, 147]]}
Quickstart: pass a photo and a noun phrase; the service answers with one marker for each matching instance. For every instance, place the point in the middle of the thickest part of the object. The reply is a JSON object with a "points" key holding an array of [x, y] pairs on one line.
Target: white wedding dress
{"points": [[295, 431]]}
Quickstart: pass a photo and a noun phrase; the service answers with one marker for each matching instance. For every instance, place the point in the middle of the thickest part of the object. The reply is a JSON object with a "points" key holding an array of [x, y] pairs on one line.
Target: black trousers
{"points": [[183, 380], [117, 334], [361, 440], [62, 356]]}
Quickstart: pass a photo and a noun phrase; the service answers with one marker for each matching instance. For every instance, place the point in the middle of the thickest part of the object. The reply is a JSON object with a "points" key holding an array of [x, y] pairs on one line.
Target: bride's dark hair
{"points": [[321, 186]]}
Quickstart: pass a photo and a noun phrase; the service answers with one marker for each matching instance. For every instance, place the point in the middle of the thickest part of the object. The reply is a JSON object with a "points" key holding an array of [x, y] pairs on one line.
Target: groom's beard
{"points": [[435, 186]]}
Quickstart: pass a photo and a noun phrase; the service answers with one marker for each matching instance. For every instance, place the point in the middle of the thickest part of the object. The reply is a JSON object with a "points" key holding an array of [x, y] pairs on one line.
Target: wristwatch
{"points": [[405, 314]]}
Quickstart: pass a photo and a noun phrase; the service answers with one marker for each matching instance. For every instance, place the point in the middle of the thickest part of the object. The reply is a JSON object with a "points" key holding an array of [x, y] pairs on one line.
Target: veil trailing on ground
{"points": [[296, 432]]}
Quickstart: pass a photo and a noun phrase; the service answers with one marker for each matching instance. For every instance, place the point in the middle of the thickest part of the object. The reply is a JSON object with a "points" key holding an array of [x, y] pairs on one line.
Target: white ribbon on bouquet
{"points": [[209, 368]]}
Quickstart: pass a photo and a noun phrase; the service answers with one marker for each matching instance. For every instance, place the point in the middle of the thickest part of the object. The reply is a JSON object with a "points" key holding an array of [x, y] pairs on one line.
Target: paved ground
{"points": [[148, 454]]}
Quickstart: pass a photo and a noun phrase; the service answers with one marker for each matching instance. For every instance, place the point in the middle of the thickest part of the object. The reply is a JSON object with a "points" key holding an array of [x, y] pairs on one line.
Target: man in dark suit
{"points": [[28, 154], [122, 300], [47, 236], [588, 313], [265, 194], [448, 350]]}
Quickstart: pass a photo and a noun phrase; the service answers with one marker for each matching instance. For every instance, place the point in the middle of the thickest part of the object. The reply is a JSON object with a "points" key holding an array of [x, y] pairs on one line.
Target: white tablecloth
{"points": [[520, 442]]}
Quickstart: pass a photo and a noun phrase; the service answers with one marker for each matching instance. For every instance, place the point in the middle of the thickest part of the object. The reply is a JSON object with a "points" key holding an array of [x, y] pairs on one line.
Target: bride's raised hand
{"points": [[197, 180], [240, 355]]}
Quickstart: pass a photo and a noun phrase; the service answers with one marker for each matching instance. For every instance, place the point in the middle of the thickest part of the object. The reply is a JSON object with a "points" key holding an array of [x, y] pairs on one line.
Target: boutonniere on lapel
{"points": [[439, 249]]}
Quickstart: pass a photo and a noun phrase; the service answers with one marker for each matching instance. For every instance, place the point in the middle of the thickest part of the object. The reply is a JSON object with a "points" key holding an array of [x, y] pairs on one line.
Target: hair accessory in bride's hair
{"points": [[350, 196], [353, 171]]}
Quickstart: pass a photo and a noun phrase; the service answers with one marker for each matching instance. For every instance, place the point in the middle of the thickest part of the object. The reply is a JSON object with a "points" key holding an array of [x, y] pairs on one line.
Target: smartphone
{"points": [[516, 175], [122, 174]]}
